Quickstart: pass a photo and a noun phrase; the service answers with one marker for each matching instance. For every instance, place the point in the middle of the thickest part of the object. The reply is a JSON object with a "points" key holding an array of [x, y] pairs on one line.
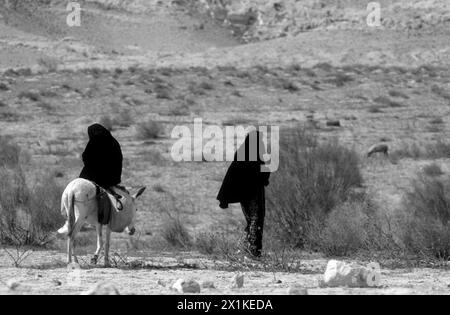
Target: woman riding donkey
{"points": [[102, 158]]}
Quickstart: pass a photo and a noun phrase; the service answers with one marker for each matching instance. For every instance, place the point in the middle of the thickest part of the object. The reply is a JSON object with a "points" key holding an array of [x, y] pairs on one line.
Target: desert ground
{"points": [[164, 63]]}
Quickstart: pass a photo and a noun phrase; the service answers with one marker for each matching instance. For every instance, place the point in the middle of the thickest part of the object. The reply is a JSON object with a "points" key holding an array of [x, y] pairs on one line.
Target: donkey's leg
{"points": [[69, 250], [76, 229], [107, 246], [99, 229]]}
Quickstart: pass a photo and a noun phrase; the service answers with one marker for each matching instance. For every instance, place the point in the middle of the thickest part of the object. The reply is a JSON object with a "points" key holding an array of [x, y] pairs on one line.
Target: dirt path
{"points": [[48, 275]]}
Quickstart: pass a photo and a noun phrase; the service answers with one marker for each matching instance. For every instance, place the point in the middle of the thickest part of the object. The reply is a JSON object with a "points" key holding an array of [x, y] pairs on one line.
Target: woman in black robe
{"points": [[244, 183], [102, 158]]}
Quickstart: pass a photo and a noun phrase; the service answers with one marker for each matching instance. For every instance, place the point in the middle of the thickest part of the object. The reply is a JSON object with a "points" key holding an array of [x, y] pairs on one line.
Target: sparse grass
{"points": [[396, 93], [440, 91], [387, 102], [432, 150], [437, 121], [154, 157], [107, 122], [31, 95], [48, 63], [159, 188], [176, 234], [163, 92], [4, 87], [432, 170], [200, 88], [179, 110], [238, 121], [290, 86], [149, 129], [340, 79], [123, 119], [375, 109]]}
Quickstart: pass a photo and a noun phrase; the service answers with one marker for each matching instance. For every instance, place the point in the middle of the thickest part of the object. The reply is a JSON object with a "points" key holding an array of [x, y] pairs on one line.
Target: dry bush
{"points": [[29, 209], [427, 230], [48, 63], [432, 169], [433, 150], [355, 226], [313, 178], [387, 102], [176, 234], [221, 244], [123, 119], [150, 130], [32, 96]]}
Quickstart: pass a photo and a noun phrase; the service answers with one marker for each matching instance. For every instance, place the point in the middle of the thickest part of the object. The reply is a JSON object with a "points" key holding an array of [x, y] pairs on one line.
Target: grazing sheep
{"points": [[378, 148]]}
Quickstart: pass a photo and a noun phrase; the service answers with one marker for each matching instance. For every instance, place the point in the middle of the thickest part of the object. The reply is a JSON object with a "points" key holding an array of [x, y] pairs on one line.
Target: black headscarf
{"points": [[102, 158], [244, 177]]}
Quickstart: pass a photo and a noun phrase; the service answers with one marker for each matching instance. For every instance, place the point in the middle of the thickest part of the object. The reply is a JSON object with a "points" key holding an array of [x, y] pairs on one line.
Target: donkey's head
{"points": [[126, 218]]}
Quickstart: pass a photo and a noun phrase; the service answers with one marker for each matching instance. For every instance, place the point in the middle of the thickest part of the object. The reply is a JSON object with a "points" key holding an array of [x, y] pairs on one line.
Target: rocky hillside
{"points": [[255, 20]]}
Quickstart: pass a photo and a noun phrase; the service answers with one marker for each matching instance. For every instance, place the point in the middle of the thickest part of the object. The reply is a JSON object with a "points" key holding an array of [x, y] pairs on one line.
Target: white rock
{"points": [[102, 289], [13, 284], [297, 290], [238, 281], [341, 274], [186, 286]]}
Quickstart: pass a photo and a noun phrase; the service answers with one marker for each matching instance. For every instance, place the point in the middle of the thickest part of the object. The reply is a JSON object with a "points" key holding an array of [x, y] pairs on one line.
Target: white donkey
{"points": [[79, 204]]}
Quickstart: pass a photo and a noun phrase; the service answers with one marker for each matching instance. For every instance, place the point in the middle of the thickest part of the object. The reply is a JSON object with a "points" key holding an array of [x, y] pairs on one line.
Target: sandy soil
{"points": [[165, 46], [49, 275]]}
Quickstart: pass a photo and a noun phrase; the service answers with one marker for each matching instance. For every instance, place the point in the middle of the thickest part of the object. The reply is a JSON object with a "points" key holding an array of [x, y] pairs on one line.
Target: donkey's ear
{"points": [[140, 192]]}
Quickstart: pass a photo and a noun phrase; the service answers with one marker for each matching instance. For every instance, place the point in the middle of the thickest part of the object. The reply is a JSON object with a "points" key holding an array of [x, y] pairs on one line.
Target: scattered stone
{"points": [[13, 284], [341, 274], [186, 286], [238, 281], [57, 282], [296, 290], [208, 285], [102, 289], [279, 282]]}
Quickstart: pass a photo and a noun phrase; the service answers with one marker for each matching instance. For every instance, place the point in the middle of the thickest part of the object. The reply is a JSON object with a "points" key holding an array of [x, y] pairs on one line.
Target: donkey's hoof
{"points": [[94, 260]]}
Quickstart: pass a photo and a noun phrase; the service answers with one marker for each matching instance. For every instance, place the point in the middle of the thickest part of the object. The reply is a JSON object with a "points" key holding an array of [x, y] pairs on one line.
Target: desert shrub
{"points": [[123, 119], [432, 169], [428, 205], [9, 153], [397, 93], [176, 234], [313, 178], [48, 63], [149, 130], [28, 215], [218, 243], [386, 101], [433, 150], [31, 95], [352, 227], [29, 203], [107, 122]]}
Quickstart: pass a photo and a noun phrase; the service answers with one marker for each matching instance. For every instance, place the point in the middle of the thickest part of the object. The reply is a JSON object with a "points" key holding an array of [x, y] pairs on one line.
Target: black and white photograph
{"points": [[228, 155]]}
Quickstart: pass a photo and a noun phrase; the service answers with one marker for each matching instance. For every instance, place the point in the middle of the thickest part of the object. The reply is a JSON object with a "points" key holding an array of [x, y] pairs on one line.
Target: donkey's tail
{"points": [[68, 207]]}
